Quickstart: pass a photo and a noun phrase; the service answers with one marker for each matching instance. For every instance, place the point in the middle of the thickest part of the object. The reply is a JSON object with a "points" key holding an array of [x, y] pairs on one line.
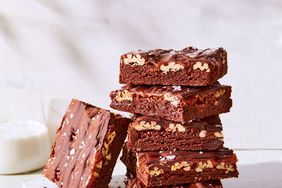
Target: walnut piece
{"points": [[183, 165], [172, 66], [172, 99], [143, 125], [219, 93], [111, 137], [218, 134], [204, 165], [134, 60], [203, 134], [100, 164], [107, 143], [223, 166], [202, 67], [124, 95], [156, 171], [176, 127]]}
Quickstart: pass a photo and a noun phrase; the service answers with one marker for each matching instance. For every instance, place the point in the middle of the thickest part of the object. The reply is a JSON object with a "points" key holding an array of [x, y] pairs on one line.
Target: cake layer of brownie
{"points": [[166, 168], [187, 67], [147, 133], [86, 147], [133, 182], [176, 103]]}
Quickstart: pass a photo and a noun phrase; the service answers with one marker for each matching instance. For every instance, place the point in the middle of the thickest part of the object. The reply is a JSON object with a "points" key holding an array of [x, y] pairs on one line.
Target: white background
{"points": [[72, 48]]}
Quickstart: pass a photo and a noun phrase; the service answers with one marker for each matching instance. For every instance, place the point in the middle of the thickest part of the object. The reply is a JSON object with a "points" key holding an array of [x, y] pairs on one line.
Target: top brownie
{"points": [[187, 67]]}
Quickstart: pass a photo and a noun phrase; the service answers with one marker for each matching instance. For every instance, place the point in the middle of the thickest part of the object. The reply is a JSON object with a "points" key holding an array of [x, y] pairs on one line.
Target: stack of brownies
{"points": [[176, 137]]}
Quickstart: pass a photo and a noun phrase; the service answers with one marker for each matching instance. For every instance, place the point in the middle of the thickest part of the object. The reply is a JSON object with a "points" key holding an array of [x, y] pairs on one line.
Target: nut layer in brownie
{"points": [[176, 103], [187, 67], [167, 168], [133, 182], [87, 146], [147, 133]]}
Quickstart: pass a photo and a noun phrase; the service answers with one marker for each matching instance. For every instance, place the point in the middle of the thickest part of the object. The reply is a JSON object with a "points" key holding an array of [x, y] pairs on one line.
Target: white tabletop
{"points": [[258, 168]]}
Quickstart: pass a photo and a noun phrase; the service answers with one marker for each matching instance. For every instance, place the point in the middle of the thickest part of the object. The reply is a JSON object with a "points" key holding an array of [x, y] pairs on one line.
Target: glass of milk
{"points": [[24, 140]]}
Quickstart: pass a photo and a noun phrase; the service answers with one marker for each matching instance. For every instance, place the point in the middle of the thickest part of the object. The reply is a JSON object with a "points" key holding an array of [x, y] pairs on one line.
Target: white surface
{"points": [[254, 173], [24, 146], [66, 50]]}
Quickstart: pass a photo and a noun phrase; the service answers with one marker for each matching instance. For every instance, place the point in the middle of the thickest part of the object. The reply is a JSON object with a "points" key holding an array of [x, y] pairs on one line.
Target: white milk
{"points": [[24, 146]]}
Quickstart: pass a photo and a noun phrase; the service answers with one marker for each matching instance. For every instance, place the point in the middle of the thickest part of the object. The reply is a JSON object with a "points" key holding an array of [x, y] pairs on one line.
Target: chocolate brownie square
{"points": [[147, 133], [166, 168], [176, 103], [86, 147], [133, 182], [187, 67]]}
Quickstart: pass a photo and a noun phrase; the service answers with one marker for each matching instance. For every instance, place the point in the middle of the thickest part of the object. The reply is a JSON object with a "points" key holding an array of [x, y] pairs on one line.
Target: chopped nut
{"points": [[220, 166], [218, 134], [108, 157], [203, 166], [202, 67], [96, 174], [203, 133], [156, 171], [219, 93], [229, 168], [176, 127], [105, 149], [184, 165], [100, 164], [111, 137], [223, 166], [172, 66], [134, 60], [172, 99], [143, 125], [124, 95]]}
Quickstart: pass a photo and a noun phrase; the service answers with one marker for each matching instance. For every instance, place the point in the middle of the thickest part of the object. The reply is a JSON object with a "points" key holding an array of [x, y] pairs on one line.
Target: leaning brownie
{"points": [[176, 103], [167, 168], [147, 133], [187, 67], [87, 146]]}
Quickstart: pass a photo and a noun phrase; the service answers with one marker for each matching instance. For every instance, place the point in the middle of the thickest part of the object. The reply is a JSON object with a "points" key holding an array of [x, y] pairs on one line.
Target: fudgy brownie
{"points": [[167, 168], [87, 146], [147, 133], [176, 103], [187, 67], [133, 182]]}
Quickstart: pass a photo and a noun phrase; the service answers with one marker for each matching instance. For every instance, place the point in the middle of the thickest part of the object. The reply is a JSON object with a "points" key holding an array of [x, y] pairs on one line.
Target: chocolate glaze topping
{"points": [[182, 92], [158, 57], [75, 154]]}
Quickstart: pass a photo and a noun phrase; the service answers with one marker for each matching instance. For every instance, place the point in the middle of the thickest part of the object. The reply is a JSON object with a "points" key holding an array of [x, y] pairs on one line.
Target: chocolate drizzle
{"points": [[75, 156], [186, 56], [184, 92]]}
